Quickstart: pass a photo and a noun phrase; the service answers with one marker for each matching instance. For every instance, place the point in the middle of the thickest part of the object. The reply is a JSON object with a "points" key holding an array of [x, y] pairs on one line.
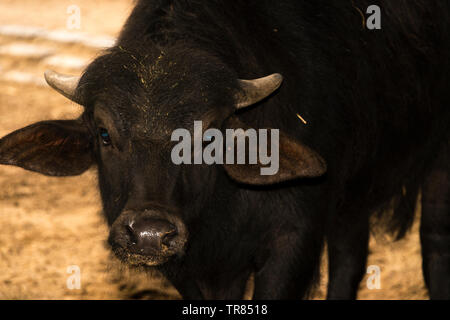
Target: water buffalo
{"points": [[364, 127]]}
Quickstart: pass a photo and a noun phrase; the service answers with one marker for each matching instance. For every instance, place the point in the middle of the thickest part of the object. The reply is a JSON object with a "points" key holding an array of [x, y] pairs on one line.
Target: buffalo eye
{"points": [[104, 136]]}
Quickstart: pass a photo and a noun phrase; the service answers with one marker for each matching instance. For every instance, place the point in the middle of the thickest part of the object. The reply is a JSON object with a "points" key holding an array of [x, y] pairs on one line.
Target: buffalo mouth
{"points": [[139, 260]]}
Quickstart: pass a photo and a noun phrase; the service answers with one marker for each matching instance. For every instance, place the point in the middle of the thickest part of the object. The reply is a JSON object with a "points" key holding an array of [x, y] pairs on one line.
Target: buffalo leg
{"points": [[290, 269], [347, 240], [185, 285], [188, 290], [435, 228], [225, 288]]}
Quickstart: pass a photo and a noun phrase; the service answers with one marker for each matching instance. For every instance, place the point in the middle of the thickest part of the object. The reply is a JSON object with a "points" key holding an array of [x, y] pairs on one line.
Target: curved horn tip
{"points": [[256, 90], [64, 84], [48, 74], [51, 76], [278, 77], [275, 79]]}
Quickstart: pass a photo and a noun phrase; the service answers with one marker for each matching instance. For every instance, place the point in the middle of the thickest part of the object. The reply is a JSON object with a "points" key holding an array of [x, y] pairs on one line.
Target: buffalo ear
{"points": [[296, 160], [53, 148]]}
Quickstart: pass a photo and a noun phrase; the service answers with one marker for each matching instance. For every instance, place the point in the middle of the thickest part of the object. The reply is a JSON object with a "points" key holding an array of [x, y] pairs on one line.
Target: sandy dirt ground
{"points": [[48, 224]]}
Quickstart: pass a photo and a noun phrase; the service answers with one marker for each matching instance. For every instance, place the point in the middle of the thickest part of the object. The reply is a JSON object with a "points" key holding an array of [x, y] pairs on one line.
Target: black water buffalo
{"points": [[364, 126]]}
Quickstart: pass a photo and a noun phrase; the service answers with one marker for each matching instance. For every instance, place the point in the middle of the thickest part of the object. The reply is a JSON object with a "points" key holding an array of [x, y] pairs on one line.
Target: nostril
{"points": [[131, 234], [168, 237]]}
